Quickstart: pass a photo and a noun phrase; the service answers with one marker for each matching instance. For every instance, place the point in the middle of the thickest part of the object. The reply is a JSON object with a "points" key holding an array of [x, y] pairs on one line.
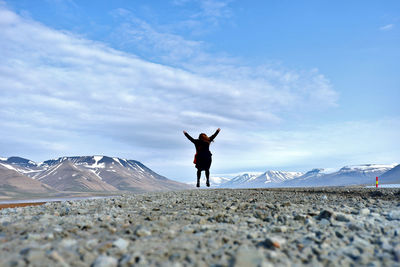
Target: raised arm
{"points": [[188, 136], [215, 134]]}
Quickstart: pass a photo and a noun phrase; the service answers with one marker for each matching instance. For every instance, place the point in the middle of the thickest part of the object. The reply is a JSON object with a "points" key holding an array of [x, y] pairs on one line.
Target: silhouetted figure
{"points": [[202, 159]]}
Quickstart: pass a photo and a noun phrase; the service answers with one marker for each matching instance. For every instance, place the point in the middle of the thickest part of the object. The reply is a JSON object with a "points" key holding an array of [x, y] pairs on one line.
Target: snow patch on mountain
{"points": [[277, 176], [95, 173], [347, 175], [214, 181], [8, 167], [96, 163], [367, 168], [218, 180]]}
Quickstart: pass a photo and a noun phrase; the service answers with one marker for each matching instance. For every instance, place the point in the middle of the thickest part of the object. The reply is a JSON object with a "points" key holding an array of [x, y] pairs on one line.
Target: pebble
{"points": [[324, 222], [57, 258], [142, 231], [394, 215], [325, 214], [122, 244], [364, 212], [340, 217], [273, 242], [249, 257], [214, 227], [68, 242], [105, 261]]}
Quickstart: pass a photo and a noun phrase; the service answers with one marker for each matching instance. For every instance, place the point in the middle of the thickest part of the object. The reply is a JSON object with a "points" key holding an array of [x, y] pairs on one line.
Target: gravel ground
{"points": [[221, 227]]}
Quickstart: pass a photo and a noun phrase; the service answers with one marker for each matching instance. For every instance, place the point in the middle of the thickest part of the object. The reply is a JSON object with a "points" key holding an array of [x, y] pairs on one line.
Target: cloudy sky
{"points": [[292, 84]]}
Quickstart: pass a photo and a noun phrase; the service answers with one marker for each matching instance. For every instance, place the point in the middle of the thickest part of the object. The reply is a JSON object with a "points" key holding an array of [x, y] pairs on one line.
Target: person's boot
{"points": [[198, 183], [208, 183]]}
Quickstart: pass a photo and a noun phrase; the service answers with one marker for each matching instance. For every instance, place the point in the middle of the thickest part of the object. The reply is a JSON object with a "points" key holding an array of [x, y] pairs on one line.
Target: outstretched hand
{"points": [[219, 129], [184, 132]]}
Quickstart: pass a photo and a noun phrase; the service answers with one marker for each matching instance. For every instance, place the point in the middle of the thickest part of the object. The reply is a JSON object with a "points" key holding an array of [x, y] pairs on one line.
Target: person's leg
{"points": [[198, 177], [208, 178]]}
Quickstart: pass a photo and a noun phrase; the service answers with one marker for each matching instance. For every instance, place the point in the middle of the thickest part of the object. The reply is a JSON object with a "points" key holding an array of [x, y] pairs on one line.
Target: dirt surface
{"points": [[213, 227]]}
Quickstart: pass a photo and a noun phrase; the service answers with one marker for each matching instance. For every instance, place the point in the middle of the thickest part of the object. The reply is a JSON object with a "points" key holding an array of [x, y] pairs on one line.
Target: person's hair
{"points": [[204, 138]]}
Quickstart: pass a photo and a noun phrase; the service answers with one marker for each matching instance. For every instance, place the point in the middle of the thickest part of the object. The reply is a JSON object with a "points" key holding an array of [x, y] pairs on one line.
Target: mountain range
{"points": [[346, 176], [107, 174], [81, 174]]}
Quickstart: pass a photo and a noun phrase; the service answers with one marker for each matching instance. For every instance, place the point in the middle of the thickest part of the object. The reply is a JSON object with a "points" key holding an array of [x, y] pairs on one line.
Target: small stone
{"points": [[301, 218], [385, 245], [58, 229], [103, 247], [340, 217], [309, 222], [360, 243], [248, 257], [50, 236], [91, 244], [353, 226], [272, 242], [396, 252], [187, 229], [394, 215], [339, 234], [34, 257], [279, 229], [122, 244], [24, 251], [376, 194], [67, 242], [325, 214], [251, 220], [364, 212], [105, 261], [34, 237], [252, 235], [324, 197], [324, 222], [54, 255], [142, 232]]}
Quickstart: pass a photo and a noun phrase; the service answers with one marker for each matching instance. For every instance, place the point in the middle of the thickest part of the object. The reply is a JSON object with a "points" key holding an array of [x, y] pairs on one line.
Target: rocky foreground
{"points": [[258, 227]]}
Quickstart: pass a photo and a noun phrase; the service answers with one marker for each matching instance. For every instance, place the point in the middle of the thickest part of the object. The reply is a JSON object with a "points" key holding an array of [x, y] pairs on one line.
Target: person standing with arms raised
{"points": [[202, 159]]}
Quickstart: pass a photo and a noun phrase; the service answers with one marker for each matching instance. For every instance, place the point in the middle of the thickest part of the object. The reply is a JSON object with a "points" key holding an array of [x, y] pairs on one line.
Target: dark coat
{"points": [[203, 154]]}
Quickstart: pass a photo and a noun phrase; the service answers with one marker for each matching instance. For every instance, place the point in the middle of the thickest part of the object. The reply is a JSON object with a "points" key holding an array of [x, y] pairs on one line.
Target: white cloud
{"points": [[211, 9], [214, 10], [83, 96], [387, 27], [328, 145]]}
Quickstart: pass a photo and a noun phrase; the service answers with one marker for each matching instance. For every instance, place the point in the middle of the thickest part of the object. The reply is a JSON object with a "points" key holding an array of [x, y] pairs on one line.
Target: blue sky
{"points": [[292, 84]]}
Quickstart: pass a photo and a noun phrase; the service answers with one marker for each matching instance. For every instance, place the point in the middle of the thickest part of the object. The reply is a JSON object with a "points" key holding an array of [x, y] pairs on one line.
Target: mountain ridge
{"points": [[346, 176], [96, 173]]}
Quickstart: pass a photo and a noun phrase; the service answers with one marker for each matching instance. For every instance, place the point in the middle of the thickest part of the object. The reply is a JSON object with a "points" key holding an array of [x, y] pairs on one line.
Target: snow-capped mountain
{"points": [[12, 182], [259, 179], [274, 177], [352, 175], [19, 162], [65, 176], [214, 181], [21, 165], [348, 175], [240, 180], [391, 176], [93, 173], [366, 169], [306, 179]]}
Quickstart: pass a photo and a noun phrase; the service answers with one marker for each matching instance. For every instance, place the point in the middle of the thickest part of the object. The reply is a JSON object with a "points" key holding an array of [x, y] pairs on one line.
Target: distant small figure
{"points": [[202, 159]]}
